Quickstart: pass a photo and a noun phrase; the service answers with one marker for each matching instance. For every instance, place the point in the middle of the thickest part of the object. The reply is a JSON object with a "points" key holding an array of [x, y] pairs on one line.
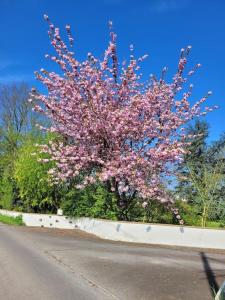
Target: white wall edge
{"points": [[147, 233]]}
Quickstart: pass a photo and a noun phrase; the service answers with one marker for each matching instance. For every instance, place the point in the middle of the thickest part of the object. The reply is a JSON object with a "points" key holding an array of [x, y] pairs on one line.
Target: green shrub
{"points": [[8, 192], [31, 176], [188, 213], [93, 201], [156, 212]]}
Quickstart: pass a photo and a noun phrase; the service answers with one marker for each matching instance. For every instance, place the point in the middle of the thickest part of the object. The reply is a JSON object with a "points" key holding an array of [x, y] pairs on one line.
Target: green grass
{"points": [[214, 224], [11, 220]]}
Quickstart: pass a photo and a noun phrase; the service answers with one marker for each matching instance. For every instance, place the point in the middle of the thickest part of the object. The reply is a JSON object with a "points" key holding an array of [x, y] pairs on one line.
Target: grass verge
{"points": [[11, 220], [214, 224]]}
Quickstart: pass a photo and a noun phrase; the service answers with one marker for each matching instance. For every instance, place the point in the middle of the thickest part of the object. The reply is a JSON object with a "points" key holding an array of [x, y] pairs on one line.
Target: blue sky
{"points": [[159, 28]]}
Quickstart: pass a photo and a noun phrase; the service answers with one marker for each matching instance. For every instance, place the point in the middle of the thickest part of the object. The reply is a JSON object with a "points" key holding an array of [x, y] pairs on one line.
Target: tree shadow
{"points": [[213, 285]]}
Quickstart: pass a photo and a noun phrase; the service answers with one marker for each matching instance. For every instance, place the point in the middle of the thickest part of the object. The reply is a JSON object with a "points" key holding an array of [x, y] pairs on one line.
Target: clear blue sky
{"points": [[159, 28]]}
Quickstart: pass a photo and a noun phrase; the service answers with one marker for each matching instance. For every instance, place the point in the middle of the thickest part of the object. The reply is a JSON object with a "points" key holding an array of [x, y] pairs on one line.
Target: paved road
{"points": [[46, 264]]}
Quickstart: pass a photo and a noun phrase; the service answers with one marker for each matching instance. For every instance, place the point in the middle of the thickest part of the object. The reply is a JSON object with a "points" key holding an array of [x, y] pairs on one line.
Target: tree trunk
{"points": [[204, 215]]}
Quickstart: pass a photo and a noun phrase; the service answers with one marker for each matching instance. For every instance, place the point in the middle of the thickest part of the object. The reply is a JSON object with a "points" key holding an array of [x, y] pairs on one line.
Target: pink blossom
{"points": [[144, 204], [115, 129]]}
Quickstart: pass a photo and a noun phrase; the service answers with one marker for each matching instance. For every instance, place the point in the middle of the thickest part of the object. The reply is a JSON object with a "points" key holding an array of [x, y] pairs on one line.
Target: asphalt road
{"points": [[46, 264]]}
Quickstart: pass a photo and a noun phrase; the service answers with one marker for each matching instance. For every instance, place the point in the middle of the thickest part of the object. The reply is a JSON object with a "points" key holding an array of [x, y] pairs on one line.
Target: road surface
{"points": [[47, 264]]}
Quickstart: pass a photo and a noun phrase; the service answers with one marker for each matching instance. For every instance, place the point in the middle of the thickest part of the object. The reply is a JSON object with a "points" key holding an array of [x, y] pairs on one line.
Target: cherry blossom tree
{"points": [[116, 129]]}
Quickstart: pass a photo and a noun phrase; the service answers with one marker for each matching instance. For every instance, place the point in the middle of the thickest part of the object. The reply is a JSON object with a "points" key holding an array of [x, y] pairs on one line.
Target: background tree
{"points": [[16, 116], [17, 120], [14, 122], [195, 157], [201, 175], [215, 158], [206, 189]]}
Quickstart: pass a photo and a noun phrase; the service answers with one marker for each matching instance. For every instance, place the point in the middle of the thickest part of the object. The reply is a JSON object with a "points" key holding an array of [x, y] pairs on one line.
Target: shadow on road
{"points": [[213, 285]]}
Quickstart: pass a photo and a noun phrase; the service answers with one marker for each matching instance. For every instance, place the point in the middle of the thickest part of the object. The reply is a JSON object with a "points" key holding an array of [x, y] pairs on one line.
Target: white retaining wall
{"points": [[131, 232]]}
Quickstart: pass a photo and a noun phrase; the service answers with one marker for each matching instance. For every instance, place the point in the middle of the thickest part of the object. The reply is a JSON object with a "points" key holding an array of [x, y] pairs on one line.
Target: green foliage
{"points": [[214, 224], [206, 190], [93, 201], [189, 213], [35, 190], [156, 212], [8, 188], [11, 220], [196, 156], [201, 176], [8, 191]]}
